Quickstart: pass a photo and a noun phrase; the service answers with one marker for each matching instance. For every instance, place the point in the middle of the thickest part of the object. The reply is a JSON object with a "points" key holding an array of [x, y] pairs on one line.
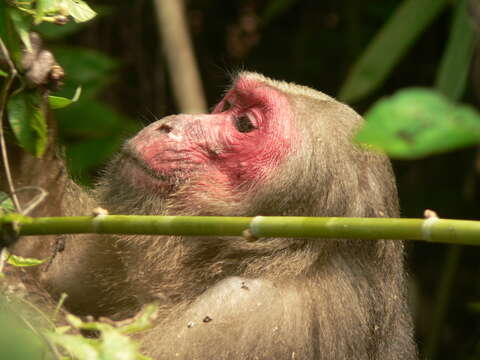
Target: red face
{"points": [[249, 133]]}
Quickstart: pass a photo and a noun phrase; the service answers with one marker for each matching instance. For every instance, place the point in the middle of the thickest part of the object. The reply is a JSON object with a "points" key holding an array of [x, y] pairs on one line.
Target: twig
{"points": [[59, 305], [42, 194], [3, 146], [3, 258]]}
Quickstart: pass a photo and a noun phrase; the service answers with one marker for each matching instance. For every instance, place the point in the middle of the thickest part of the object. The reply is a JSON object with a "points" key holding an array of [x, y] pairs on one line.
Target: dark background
{"points": [[313, 43]]}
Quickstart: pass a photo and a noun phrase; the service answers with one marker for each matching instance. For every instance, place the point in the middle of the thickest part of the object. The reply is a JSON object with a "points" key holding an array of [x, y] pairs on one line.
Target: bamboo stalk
{"points": [[434, 230]]}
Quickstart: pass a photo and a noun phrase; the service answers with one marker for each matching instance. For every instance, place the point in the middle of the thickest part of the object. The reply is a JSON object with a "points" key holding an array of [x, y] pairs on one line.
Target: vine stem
{"points": [[3, 146]]}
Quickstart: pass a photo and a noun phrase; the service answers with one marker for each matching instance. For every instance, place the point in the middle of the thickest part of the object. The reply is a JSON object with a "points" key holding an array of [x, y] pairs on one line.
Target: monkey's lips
{"points": [[140, 174]]}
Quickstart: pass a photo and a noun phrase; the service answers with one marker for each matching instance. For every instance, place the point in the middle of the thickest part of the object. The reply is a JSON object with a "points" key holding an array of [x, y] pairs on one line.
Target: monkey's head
{"points": [[268, 147]]}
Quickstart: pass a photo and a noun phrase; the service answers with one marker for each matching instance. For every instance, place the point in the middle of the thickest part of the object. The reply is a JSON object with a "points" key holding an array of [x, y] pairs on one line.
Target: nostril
{"points": [[165, 128]]}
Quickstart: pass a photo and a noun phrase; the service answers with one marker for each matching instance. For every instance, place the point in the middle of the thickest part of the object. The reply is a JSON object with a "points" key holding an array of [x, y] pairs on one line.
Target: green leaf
{"points": [[143, 320], [40, 10], [6, 204], [77, 345], [418, 122], [3, 20], [27, 121], [389, 46], [23, 262], [79, 10], [22, 23], [4, 35], [51, 31], [455, 66], [112, 344], [17, 341], [117, 346], [8, 34], [44, 7], [74, 320], [58, 102], [62, 329]]}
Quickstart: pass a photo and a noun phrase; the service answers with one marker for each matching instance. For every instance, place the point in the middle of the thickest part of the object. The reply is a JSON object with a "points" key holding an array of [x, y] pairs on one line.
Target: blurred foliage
{"points": [[26, 107], [418, 122], [6, 204], [87, 70], [27, 121], [17, 340], [389, 46], [112, 342], [91, 130], [454, 68], [32, 329]]}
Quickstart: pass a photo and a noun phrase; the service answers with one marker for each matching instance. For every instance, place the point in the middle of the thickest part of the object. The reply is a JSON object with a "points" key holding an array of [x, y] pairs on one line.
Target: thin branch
{"points": [[37, 200], [432, 229], [3, 145], [3, 258], [59, 306]]}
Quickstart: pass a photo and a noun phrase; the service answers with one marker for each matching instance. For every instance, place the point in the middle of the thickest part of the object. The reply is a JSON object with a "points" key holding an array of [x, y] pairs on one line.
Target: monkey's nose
{"points": [[165, 128]]}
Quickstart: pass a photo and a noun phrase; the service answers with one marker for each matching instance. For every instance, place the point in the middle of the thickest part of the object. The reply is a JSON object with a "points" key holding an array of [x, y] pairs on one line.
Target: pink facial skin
{"points": [[248, 134]]}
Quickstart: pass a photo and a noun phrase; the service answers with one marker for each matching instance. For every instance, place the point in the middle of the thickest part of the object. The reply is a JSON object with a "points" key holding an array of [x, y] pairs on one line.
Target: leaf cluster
{"points": [[26, 106]]}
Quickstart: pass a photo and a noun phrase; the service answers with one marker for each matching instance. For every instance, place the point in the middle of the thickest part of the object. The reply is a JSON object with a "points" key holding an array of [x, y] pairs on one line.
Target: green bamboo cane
{"points": [[431, 229]]}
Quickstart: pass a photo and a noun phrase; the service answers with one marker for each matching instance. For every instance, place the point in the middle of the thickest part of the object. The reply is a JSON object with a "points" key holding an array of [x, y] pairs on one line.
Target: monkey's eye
{"points": [[243, 124]]}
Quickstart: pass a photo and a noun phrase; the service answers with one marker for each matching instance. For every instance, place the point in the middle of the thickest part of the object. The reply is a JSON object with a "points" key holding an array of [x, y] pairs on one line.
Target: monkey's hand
{"points": [[40, 67]]}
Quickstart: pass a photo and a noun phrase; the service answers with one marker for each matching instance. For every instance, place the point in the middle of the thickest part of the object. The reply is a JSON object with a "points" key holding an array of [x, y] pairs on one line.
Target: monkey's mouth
{"points": [[140, 165]]}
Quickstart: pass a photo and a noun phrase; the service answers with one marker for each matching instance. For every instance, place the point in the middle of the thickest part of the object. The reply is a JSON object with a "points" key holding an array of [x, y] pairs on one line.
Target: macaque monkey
{"points": [[268, 148]]}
